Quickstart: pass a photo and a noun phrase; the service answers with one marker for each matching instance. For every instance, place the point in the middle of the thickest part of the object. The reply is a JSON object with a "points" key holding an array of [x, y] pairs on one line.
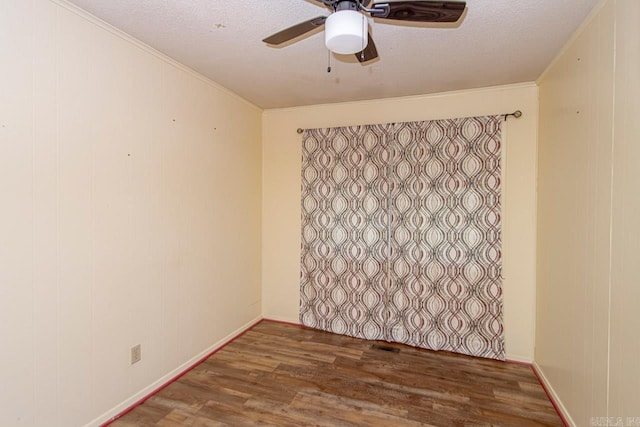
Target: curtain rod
{"points": [[517, 114]]}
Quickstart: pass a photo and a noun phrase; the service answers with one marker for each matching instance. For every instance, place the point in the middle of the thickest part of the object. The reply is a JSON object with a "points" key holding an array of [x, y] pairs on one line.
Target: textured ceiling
{"points": [[497, 42]]}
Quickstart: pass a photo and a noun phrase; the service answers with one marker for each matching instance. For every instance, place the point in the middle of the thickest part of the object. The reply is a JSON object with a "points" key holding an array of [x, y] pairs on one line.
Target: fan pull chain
{"points": [[363, 33], [329, 61]]}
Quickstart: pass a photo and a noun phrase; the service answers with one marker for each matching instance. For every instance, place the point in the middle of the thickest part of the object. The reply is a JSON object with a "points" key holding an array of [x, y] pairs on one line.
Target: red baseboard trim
{"points": [[180, 375], [544, 387], [550, 397]]}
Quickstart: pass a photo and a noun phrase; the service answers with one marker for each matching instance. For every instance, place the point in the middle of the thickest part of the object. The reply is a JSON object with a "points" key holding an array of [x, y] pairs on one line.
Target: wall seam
{"points": [[534, 302], [262, 210], [57, 198], [34, 331], [612, 152]]}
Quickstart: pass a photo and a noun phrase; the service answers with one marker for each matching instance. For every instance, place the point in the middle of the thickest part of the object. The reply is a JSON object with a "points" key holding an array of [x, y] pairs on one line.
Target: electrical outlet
{"points": [[136, 354]]}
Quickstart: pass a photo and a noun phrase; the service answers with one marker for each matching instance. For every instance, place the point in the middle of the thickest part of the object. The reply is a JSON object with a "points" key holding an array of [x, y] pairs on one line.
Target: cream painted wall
{"points": [[281, 192], [588, 210], [624, 382], [130, 199], [574, 192]]}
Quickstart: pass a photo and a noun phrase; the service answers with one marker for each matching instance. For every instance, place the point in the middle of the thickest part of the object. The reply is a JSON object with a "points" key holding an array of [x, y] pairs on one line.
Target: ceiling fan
{"points": [[346, 28]]}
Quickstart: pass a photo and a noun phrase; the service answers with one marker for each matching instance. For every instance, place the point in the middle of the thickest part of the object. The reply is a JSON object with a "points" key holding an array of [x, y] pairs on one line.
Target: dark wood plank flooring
{"points": [[284, 375]]}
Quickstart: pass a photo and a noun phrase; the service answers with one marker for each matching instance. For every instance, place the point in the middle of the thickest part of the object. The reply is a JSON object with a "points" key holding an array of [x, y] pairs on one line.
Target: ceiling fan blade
{"points": [[328, 6], [370, 52], [420, 11], [295, 31]]}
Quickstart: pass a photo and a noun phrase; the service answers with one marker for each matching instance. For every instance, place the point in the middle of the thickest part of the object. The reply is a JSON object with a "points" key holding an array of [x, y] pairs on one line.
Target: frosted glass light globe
{"points": [[345, 32]]}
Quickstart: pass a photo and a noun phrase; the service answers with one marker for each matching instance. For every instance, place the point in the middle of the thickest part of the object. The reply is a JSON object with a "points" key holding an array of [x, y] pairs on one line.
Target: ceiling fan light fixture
{"points": [[346, 32]]}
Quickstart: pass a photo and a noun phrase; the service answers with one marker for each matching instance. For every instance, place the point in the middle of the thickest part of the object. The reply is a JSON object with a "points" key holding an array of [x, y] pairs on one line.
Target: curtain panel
{"points": [[401, 233]]}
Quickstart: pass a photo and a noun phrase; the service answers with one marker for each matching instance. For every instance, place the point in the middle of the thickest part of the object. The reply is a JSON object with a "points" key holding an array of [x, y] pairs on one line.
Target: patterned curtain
{"points": [[401, 234]]}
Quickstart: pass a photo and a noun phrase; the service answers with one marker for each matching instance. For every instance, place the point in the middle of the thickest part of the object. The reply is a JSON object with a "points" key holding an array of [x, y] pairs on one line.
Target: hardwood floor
{"points": [[283, 375]]}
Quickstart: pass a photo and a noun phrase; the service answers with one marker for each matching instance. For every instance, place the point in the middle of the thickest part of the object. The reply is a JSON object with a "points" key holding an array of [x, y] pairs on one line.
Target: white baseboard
{"points": [[285, 319], [294, 320], [509, 357], [107, 416], [110, 414], [554, 396], [518, 359]]}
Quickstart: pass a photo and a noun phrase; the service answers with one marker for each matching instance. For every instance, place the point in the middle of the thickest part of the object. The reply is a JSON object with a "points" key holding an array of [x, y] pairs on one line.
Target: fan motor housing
{"points": [[346, 5]]}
